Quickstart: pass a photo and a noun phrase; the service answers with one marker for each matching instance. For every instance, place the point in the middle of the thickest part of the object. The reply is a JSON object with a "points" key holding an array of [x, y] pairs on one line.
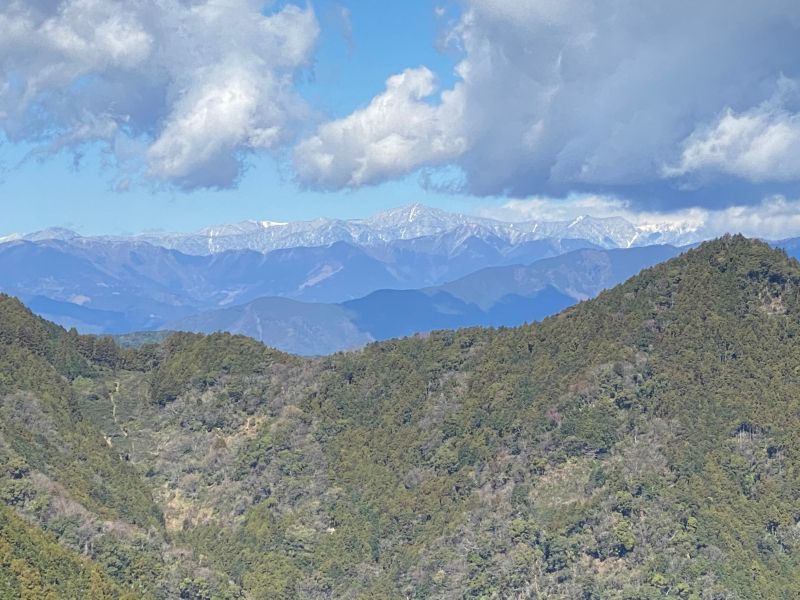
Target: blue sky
{"points": [[118, 117], [350, 66]]}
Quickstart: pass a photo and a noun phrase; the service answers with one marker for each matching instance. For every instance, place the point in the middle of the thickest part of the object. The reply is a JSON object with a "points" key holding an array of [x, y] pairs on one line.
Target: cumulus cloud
{"points": [[760, 144], [773, 217], [195, 84], [396, 132], [559, 95]]}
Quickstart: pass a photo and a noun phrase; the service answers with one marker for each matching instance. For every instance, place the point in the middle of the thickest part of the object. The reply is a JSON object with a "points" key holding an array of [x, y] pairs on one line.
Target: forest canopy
{"points": [[643, 444]]}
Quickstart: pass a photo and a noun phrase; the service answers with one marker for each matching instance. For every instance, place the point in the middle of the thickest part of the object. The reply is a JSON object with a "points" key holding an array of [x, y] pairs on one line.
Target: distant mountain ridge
{"points": [[496, 296], [404, 223], [318, 286], [105, 286]]}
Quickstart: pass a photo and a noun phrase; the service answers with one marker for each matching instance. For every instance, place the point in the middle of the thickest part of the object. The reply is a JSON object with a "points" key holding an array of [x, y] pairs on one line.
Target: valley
{"points": [[610, 450]]}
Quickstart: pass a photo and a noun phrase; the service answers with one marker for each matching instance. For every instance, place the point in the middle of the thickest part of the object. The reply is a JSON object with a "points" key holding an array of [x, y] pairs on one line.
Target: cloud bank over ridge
{"points": [[772, 218]]}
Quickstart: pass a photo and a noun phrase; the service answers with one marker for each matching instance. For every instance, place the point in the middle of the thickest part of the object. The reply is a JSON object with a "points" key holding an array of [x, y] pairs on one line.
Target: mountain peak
{"points": [[52, 233], [730, 273], [410, 213], [412, 221], [735, 246], [242, 227], [268, 224]]}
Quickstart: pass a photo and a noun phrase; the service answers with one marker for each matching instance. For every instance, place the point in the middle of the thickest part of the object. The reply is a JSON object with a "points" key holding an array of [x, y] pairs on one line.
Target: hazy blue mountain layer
{"points": [[115, 287], [458, 271], [500, 296]]}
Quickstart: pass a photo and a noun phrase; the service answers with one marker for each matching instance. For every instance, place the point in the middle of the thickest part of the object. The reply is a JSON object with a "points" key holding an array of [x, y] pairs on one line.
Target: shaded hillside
{"points": [[33, 565], [395, 313], [643, 444], [791, 246], [298, 327]]}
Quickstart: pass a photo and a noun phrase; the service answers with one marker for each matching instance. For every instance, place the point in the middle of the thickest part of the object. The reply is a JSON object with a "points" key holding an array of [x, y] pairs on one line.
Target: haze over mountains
{"points": [[641, 445], [495, 296], [319, 286]]}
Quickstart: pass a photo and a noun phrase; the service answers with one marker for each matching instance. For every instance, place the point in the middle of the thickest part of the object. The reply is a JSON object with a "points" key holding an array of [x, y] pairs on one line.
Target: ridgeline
{"points": [[644, 444]]}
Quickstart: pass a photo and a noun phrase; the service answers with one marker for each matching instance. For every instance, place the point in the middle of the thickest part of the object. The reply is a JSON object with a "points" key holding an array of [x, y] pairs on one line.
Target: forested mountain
{"points": [[581, 274], [643, 444]]}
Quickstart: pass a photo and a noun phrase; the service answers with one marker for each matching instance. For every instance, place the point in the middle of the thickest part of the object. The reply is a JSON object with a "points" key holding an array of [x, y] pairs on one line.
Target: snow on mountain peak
{"points": [[409, 213], [51, 233], [406, 223], [577, 221]]}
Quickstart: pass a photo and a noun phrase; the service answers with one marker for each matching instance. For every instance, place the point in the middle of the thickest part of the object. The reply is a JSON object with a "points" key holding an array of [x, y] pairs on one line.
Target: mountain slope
{"points": [[60, 468], [33, 565], [298, 327], [643, 444], [582, 274], [791, 246], [396, 313], [317, 328]]}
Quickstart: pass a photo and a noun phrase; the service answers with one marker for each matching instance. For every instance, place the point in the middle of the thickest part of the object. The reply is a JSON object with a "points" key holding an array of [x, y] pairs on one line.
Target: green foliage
{"points": [[193, 360], [33, 567], [640, 445], [624, 538]]}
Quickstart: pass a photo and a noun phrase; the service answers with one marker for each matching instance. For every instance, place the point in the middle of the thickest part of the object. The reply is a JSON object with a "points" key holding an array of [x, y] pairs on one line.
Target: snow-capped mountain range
{"points": [[318, 286], [405, 223]]}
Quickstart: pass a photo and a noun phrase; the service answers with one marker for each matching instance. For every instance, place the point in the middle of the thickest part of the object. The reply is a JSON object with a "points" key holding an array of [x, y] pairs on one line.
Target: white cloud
{"points": [[761, 144], [774, 217], [543, 208], [199, 84], [395, 132], [554, 95], [688, 220], [208, 124]]}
